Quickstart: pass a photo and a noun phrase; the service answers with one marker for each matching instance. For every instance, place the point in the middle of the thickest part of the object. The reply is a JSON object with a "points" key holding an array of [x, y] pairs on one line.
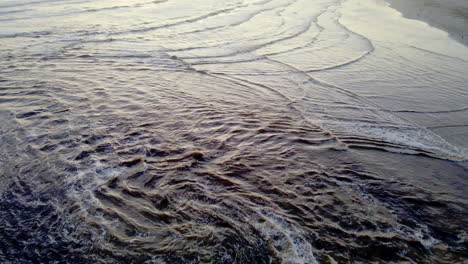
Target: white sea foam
{"points": [[286, 238]]}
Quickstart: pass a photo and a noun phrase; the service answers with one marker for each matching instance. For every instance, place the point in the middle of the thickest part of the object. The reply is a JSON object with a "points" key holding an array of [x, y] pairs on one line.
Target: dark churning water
{"points": [[236, 131]]}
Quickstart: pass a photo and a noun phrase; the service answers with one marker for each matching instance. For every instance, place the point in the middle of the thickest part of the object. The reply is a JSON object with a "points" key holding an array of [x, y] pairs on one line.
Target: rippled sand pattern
{"points": [[169, 132]]}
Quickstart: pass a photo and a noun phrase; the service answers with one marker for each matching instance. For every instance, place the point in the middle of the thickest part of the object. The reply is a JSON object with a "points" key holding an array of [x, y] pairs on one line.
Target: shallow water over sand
{"points": [[228, 132]]}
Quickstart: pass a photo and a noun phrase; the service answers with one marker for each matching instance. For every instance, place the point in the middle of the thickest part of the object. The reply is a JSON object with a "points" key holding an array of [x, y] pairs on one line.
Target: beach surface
{"points": [[449, 15]]}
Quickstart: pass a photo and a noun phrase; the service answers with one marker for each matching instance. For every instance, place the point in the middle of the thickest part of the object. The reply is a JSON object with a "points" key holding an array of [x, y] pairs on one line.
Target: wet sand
{"points": [[449, 15]]}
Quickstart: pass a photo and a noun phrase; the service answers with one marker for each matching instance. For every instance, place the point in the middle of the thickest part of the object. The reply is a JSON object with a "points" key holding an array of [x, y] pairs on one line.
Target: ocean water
{"points": [[236, 131]]}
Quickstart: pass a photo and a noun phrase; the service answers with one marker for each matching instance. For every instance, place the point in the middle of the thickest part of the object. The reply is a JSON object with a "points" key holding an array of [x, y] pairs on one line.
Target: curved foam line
{"points": [[432, 112], [188, 21], [362, 56], [251, 49], [436, 53]]}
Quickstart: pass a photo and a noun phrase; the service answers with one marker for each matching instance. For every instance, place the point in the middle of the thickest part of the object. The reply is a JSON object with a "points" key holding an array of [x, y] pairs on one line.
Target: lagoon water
{"points": [[236, 131]]}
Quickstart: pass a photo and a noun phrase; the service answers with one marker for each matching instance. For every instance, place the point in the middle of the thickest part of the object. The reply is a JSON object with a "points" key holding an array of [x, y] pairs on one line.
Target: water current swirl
{"points": [[222, 132]]}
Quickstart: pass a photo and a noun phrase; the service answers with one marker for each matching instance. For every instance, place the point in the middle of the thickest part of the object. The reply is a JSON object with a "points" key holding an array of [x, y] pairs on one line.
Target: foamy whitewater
{"points": [[235, 131]]}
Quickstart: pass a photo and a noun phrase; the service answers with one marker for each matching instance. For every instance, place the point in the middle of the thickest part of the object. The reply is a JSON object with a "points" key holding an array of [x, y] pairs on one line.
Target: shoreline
{"points": [[450, 16]]}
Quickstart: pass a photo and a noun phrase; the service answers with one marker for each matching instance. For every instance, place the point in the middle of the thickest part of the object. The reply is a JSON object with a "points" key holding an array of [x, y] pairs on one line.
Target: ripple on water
{"points": [[116, 149]]}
